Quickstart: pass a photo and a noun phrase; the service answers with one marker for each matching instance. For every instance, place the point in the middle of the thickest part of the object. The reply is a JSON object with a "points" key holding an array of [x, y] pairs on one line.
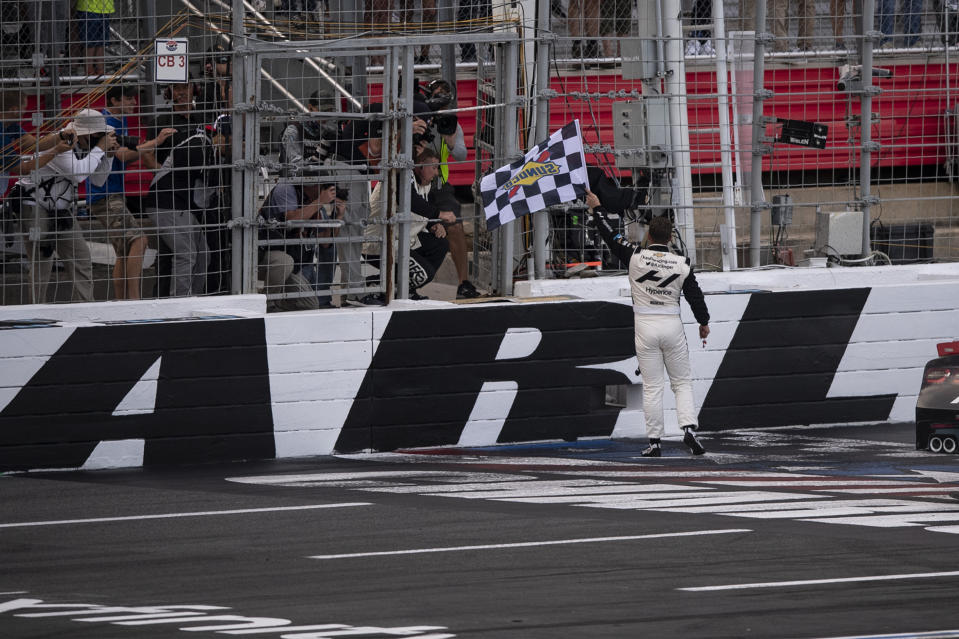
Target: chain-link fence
{"points": [[290, 160]]}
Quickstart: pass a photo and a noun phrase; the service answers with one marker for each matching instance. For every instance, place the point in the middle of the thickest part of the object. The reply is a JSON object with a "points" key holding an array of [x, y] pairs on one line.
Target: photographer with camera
{"points": [[21, 152], [445, 138], [182, 116], [186, 185], [214, 95], [290, 268], [309, 141], [107, 203], [429, 241], [45, 202]]}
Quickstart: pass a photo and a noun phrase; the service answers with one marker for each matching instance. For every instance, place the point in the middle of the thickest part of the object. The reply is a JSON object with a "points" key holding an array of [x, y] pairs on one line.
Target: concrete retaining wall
{"points": [[190, 383]]}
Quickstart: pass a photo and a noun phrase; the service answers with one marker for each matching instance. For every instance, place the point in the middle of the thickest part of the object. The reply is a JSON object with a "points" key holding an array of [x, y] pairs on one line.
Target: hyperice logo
{"points": [[531, 172]]}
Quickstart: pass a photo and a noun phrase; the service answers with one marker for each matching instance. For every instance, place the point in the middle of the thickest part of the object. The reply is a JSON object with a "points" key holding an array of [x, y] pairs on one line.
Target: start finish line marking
{"points": [[207, 513], [816, 582], [527, 544]]}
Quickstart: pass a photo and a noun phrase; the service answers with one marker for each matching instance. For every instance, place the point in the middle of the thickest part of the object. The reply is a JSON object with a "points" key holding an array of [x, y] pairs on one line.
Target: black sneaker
{"points": [[692, 442], [417, 297], [373, 299], [466, 291], [653, 450]]}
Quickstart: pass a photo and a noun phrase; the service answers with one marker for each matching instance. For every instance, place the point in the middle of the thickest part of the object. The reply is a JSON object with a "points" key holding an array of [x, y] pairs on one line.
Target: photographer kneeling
{"points": [[445, 138], [291, 216], [46, 203]]}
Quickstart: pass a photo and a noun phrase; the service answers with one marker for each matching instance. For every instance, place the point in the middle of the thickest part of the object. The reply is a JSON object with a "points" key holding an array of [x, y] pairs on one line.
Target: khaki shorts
{"points": [[122, 228]]}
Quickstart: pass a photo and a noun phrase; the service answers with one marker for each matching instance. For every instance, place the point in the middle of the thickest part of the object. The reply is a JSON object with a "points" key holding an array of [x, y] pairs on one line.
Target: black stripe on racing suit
{"points": [[624, 250]]}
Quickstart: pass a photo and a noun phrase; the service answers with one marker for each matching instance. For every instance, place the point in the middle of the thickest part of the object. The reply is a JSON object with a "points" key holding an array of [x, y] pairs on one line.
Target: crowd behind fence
{"points": [[315, 144]]}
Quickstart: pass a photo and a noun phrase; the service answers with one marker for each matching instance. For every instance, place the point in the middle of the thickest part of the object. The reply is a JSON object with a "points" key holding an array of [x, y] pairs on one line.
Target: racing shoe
{"points": [[692, 442], [653, 450]]}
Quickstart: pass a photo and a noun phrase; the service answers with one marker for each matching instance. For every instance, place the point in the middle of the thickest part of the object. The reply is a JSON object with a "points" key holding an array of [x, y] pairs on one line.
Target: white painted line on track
{"points": [[208, 513], [944, 529], [816, 582], [935, 634], [527, 544], [14, 592]]}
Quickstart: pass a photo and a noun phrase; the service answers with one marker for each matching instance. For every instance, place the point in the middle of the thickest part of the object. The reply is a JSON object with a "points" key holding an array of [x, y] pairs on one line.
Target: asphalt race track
{"points": [[824, 532]]}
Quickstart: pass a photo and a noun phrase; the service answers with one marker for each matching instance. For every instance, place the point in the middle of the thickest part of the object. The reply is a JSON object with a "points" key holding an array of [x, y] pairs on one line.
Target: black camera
{"points": [[342, 194], [426, 136], [319, 139], [445, 122], [128, 141]]}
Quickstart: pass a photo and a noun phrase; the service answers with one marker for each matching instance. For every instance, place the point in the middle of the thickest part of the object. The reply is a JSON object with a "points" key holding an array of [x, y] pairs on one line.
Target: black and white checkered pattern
{"points": [[565, 149]]}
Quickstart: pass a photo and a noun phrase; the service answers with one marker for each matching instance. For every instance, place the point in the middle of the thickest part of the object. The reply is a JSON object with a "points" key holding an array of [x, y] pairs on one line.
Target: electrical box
{"points": [[782, 210], [629, 134], [640, 132], [639, 58], [839, 233]]}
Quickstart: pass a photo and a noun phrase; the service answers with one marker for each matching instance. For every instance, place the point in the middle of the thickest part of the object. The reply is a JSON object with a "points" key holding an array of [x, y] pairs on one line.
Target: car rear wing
{"points": [[948, 348]]}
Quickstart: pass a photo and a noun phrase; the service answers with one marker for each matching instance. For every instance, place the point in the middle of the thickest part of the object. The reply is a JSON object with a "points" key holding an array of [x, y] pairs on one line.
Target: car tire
{"points": [[935, 444]]}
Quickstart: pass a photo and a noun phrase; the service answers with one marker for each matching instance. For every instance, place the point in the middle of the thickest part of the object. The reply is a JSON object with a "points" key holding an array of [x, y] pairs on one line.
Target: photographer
{"points": [[429, 241], [107, 203], [45, 202], [182, 116], [445, 138], [214, 95], [309, 141], [184, 187], [319, 266], [288, 269]]}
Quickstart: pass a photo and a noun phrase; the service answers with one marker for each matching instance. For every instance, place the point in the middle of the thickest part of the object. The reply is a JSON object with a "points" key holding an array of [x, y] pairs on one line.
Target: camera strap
{"points": [[167, 165]]}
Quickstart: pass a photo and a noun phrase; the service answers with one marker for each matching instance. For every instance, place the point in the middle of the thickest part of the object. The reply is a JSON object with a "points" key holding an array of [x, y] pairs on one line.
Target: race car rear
{"points": [[937, 409]]}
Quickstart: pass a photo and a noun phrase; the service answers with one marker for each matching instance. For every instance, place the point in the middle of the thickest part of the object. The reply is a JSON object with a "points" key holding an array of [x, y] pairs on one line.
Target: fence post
{"points": [[865, 123], [507, 232], [541, 218], [758, 203], [404, 184]]}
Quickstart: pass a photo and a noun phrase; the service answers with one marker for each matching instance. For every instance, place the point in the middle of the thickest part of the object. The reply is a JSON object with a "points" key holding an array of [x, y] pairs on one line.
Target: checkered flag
{"points": [[553, 171]]}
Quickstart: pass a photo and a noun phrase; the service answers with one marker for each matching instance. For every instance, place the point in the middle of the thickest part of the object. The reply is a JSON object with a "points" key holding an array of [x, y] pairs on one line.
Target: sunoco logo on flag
{"points": [[552, 172]]}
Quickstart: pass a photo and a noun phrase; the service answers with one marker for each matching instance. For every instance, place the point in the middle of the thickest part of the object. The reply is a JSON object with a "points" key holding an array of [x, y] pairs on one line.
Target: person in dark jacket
{"points": [[182, 189], [657, 279]]}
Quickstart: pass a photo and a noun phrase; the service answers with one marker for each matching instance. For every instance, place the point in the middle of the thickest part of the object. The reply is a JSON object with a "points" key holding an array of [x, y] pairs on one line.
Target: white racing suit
{"points": [[657, 278]]}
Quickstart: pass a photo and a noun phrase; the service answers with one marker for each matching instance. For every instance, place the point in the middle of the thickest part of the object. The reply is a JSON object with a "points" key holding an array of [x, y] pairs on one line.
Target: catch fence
{"points": [[832, 137]]}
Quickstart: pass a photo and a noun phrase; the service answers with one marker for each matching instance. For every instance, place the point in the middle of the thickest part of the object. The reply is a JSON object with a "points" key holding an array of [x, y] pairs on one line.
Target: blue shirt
{"points": [[9, 154], [114, 183]]}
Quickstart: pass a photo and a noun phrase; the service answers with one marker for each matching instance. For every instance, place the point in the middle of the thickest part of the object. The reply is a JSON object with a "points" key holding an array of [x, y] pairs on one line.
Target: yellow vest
{"points": [[96, 6], [444, 156]]}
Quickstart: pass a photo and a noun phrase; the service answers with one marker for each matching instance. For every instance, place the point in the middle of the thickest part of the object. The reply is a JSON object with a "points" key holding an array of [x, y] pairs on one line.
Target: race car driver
{"points": [[657, 277]]}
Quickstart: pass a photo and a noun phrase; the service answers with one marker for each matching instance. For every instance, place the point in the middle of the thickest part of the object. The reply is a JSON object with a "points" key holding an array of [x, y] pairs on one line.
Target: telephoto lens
{"points": [[128, 141]]}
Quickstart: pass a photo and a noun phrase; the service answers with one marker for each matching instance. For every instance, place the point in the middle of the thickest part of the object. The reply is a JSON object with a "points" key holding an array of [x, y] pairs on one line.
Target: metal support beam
{"points": [[728, 247], [541, 131], [506, 125], [865, 123], [759, 133], [403, 176], [682, 195]]}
